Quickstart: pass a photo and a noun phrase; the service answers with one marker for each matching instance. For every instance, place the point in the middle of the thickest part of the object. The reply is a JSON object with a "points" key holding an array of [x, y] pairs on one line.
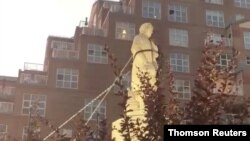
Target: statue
{"points": [[145, 53]]}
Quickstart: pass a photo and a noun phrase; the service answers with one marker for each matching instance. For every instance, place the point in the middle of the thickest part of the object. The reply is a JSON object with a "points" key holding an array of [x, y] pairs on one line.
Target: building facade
{"points": [[77, 69]]}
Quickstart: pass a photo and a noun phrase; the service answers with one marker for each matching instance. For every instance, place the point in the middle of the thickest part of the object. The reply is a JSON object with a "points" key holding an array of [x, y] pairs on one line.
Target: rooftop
{"points": [[8, 78]]}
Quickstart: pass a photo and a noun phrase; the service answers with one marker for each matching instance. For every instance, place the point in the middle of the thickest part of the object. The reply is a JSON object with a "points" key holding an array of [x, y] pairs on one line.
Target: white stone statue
{"points": [[145, 53]]}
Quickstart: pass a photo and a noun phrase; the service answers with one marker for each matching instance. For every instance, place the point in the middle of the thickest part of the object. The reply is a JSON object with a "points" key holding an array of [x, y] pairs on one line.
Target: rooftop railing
{"points": [[33, 66]]}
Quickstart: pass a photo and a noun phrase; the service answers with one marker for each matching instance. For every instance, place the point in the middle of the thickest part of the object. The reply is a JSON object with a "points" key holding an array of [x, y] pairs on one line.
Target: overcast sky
{"points": [[26, 24]]}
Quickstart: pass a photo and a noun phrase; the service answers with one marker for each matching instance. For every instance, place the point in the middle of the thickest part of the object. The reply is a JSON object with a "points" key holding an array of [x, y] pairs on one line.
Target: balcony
{"points": [[235, 89], [6, 107], [33, 66], [65, 54], [218, 39], [121, 9], [33, 79], [227, 42], [62, 45], [116, 7], [7, 92], [93, 32]]}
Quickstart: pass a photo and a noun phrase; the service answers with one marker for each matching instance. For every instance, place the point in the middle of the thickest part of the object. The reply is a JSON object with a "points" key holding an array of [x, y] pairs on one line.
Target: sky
{"points": [[26, 24]]}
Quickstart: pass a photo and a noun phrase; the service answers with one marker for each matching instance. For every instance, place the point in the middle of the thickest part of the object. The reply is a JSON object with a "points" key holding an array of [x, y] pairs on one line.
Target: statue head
{"points": [[146, 29]]}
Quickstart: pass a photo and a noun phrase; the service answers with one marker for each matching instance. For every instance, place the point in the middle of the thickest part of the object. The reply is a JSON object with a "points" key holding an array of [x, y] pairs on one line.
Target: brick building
{"points": [[76, 69]]}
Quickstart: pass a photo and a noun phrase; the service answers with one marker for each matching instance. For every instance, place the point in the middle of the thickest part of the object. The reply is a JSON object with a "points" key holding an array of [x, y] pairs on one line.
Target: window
{"points": [[6, 107], [179, 62], [151, 9], [34, 103], [178, 37], [100, 113], [224, 60], [97, 54], [67, 78], [62, 45], [3, 132], [125, 81], [36, 132], [242, 3], [182, 87], [7, 90], [215, 1], [125, 31], [25, 133], [177, 13], [247, 40], [248, 60], [215, 18]]}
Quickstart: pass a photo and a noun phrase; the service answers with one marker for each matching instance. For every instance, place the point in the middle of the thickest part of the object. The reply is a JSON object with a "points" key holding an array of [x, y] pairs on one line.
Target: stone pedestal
{"points": [[116, 126]]}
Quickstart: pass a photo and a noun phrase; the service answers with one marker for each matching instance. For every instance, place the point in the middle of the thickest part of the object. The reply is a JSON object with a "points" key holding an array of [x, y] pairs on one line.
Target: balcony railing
{"points": [[34, 79], [33, 66], [218, 39], [93, 31], [122, 9], [235, 89], [116, 7], [6, 107], [65, 54], [7, 92]]}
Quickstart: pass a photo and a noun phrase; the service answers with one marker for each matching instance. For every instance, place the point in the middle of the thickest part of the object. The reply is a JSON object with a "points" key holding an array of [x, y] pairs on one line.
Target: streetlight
{"points": [[84, 23]]}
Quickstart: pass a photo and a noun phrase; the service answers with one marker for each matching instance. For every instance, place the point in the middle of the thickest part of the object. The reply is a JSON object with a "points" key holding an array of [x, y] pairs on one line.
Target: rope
{"points": [[108, 90], [105, 92], [98, 105], [78, 112]]}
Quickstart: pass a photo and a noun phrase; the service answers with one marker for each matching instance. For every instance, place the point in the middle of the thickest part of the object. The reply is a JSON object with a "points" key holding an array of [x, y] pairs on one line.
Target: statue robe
{"points": [[145, 53]]}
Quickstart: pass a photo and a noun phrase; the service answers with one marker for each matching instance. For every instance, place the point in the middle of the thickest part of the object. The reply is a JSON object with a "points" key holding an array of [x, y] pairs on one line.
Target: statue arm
{"points": [[154, 46], [136, 45]]}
